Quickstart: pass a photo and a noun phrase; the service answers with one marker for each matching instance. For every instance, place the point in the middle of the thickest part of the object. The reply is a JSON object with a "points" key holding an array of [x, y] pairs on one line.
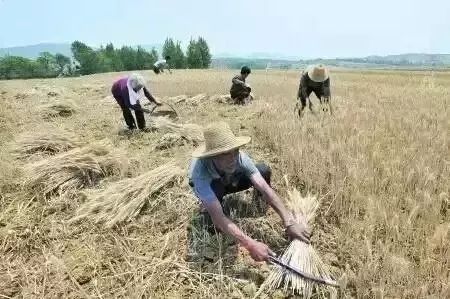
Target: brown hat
{"points": [[317, 73], [219, 139]]}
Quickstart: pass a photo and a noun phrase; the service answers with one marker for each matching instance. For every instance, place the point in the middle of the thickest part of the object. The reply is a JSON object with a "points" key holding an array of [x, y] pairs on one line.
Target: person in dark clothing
{"points": [[314, 79], [240, 91], [128, 91]]}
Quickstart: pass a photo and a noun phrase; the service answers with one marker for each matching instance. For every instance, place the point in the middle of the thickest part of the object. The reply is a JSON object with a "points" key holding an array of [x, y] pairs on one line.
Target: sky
{"points": [[297, 28]]}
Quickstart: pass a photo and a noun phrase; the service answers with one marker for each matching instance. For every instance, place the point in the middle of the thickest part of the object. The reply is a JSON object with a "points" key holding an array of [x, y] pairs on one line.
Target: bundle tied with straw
{"points": [[58, 108], [301, 256], [123, 200], [44, 142], [73, 170], [190, 132]]}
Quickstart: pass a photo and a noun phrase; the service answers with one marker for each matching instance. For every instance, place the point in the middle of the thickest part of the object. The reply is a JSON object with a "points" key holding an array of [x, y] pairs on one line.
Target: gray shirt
{"points": [[203, 171]]}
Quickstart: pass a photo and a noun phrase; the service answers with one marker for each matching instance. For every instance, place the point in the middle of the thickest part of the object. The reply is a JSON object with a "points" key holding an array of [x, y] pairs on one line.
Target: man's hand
{"points": [[299, 231], [259, 251], [145, 110]]}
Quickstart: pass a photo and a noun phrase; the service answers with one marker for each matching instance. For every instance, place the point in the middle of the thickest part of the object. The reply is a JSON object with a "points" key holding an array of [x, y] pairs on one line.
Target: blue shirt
{"points": [[203, 171]]}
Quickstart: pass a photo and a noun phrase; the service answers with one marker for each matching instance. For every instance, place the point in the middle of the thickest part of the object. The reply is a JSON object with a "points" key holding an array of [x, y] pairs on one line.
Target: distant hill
{"points": [[410, 60], [33, 51]]}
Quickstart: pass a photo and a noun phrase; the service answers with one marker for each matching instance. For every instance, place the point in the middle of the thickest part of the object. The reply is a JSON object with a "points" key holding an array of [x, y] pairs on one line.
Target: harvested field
{"points": [[380, 167]]}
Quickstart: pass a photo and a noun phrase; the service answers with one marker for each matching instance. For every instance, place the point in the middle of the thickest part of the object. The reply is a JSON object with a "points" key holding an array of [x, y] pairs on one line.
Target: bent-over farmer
{"points": [[219, 168], [314, 79], [128, 92], [161, 64], [240, 91]]}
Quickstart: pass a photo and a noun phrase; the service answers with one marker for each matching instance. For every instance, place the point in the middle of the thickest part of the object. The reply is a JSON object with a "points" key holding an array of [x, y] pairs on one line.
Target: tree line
{"points": [[86, 60]]}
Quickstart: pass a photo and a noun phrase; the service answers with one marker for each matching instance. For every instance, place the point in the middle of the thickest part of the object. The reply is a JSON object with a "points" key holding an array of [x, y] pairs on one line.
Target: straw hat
{"points": [[136, 81], [219, 139], [317, 73]]}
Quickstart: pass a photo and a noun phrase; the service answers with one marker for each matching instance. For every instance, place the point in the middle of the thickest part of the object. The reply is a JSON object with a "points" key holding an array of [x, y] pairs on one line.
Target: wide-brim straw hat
{"points": [[318, 73], [219, 139]]}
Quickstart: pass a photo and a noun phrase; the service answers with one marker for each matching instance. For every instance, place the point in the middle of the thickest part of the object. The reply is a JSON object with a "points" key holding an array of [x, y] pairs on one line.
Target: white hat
{"points": [[136, 81]]}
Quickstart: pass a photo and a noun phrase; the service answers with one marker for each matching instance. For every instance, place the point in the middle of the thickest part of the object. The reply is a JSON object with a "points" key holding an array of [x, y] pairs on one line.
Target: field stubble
{"points": [[380, 166]]}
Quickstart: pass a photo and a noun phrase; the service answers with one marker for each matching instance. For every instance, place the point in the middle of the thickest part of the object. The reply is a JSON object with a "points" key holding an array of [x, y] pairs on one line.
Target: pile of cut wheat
{"points": [[123, 200], [47, 142], [73, 170]]}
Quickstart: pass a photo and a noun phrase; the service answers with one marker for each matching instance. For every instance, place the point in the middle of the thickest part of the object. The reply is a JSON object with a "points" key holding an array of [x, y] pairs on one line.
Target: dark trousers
{"points": [[258, 204], [240, 96], [318, 92], [129, 119], [156, 69]]}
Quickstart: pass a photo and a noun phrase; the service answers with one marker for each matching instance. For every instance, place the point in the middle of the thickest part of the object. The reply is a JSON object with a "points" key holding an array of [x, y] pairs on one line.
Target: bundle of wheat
{"points": [[75, 169], [301, 256], [190, 132], [123, 200], [58, 108], [221, 98], [170, 140], [48, 142]]}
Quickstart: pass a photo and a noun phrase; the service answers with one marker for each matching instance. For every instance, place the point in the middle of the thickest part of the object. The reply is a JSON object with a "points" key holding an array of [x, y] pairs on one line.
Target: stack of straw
{"points": [[48, 142], [58, 108], [301, 255], [123, 200], [190, 132], [73, 170]]}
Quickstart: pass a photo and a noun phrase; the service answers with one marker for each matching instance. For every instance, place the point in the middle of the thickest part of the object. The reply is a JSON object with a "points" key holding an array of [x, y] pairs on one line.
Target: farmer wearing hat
{"points": [[162, 64], [314, 79], [128, 91], [219, 168], [240, 91]]}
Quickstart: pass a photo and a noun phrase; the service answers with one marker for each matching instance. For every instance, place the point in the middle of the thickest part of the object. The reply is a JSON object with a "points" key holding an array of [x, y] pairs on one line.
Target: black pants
{"points": [[156, 69], [243, 183], [129, 119], [240, 96], [318, 92]]}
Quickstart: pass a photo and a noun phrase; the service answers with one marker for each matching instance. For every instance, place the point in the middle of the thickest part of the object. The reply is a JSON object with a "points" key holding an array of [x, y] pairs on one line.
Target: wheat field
{"points": [[380, 166]]}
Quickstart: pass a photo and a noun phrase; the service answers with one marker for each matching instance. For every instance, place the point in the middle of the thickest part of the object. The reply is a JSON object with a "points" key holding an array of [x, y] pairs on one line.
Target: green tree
{"points": [[169, 49], [193, 55], [128, 58], [62, 62], [46, 65], [15, 67], [204, 52], [88, 59], [179, 60], [174, 50]]}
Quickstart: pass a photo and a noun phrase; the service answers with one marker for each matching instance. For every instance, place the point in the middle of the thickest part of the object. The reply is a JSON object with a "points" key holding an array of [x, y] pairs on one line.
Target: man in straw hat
{"points": [[240, 91], [128, 91], [219, 168], [314, 79]]}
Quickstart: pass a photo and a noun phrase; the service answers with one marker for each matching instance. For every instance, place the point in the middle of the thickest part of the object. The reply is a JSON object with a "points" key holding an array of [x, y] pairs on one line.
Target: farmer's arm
{"points": [[236, 80], [149, 96], [302, 88], [133, 105], [258, 251], [295, 230]]}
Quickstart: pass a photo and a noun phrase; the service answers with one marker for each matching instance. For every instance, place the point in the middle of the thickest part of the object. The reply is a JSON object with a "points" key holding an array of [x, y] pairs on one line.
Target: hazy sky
{"points": [[326, 28]]}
